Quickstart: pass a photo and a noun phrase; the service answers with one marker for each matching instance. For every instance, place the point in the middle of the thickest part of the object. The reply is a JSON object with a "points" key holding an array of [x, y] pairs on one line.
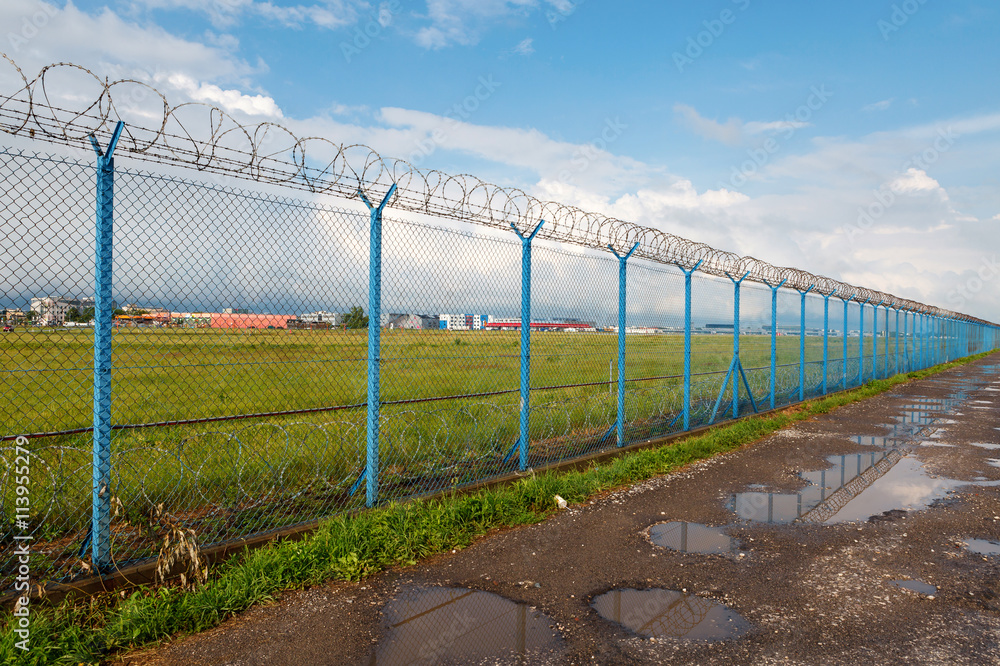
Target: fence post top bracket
{"points": [[531, 236], [115, 136], [385, 199], [627, 254]]}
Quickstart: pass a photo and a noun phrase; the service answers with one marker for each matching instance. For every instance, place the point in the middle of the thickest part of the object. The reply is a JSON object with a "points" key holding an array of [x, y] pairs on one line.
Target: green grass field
{"points": [[237, 477]]}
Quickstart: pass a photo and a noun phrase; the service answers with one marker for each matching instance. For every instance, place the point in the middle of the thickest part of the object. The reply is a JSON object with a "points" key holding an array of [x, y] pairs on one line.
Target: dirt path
{"points": [[801, 590]]}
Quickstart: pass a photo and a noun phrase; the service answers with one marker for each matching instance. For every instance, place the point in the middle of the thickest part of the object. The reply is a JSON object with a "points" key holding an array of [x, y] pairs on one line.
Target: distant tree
{"points": [[356, 318], [72, 315], [86, 314]]}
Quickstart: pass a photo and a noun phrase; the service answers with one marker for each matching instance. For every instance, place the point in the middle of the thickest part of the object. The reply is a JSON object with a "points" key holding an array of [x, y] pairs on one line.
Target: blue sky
{"points": [[767, 129]]}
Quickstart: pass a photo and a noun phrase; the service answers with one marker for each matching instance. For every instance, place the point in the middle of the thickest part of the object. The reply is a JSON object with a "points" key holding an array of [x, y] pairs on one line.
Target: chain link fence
{"points": [[241, 367]]}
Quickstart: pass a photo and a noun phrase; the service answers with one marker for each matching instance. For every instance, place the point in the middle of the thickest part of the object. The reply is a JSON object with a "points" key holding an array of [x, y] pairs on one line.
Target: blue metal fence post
{"points": [[621, 341], [774, 338], [846, 301], [861, 346], [100, 522], [524, 438], [371, 472], [374, 344], [736, 346], [875, 339], [802, 344], [897, 341], [886, 369], [907, 349], [826, 335], [923, 344], [687, 342], [736, 366]]}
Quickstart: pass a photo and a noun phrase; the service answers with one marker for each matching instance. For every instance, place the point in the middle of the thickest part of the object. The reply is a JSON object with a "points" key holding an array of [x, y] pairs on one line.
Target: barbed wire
{"points": [[207, 138]]}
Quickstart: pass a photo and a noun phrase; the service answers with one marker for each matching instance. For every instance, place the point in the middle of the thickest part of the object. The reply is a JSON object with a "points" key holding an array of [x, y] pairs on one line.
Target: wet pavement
{"points": [[870, 535]]}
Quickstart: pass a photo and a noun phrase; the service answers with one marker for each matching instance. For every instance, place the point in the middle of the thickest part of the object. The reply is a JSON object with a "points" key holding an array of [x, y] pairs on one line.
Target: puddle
{"points": [[856, 488], [940, 444], [692, 538], [991, 447], [457, 625], [993, 462], [670, 614], [983, 547], [918, 586]]}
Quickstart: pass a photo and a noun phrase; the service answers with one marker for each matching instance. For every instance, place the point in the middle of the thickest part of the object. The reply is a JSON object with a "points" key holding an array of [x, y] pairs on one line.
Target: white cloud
{"points": [[462, 22], [228, 100], [524, 47], [915, 181], [734, 131], [69, 35], [226, 13], [879, 106], [729, 133]]}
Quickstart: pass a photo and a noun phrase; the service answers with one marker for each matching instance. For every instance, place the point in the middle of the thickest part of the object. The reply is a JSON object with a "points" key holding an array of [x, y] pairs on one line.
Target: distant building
{"points": [[302, 325], [332, 318], [224, 320], [463, 322], [12, 315], [413, 322], [191, 319], [51, 311], [565, 326]]}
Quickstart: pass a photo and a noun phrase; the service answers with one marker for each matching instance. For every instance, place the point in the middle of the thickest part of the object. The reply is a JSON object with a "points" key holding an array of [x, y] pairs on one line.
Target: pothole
{"points": [[692, 538], [983, 547], [456, 625], [659, 613], [856, 488], [918, 586]]}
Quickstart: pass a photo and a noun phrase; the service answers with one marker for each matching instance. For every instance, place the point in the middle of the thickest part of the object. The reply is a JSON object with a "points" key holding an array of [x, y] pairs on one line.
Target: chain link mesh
{"points": [[240, 356]]}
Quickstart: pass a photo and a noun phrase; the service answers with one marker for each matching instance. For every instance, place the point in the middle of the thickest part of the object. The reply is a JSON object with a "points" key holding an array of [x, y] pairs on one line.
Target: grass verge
{"points": [[353, 547]]}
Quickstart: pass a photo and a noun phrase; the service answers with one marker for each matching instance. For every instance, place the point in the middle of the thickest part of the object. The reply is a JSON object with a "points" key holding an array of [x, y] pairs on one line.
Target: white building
{"points": [[51, 311], [334, 318], [464, 322]]}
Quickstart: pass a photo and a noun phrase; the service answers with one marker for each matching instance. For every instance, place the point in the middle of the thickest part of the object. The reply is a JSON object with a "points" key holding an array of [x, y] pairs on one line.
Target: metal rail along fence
{"points": [[265, 330]]}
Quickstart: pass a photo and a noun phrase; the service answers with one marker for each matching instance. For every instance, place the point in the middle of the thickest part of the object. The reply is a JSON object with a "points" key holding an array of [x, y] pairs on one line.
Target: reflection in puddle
{"points": [[918, 586], [857, 487], [668, 613], [692, 538], [991, 447], [430, 625], [982, 547], [993, 462]]}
